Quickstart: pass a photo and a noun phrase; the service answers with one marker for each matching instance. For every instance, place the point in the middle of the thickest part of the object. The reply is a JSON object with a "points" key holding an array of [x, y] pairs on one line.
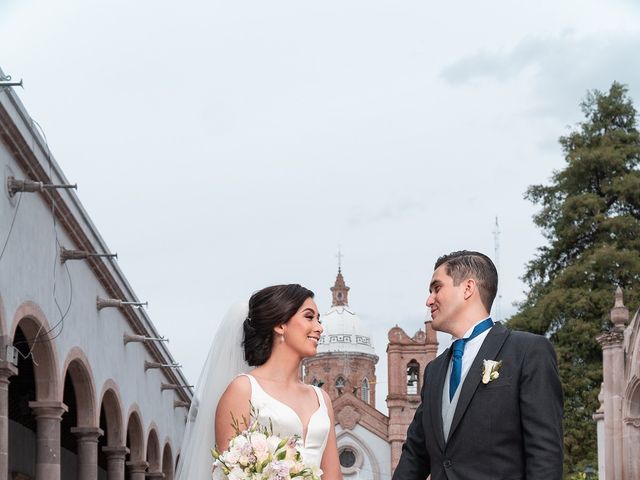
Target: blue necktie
{"points": [[458, 350]]}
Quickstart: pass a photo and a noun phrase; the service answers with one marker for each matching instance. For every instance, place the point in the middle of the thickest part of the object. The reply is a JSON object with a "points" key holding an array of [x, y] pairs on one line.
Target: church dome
{"points": [[343, 329]]}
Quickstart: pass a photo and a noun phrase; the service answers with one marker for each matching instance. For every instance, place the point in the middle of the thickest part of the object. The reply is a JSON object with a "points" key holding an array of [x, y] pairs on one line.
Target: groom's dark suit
{"points": [[509, 428]]}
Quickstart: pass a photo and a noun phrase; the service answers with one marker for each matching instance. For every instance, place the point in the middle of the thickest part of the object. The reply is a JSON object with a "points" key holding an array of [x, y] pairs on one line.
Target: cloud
{"points": [[386, 213], [561, 69], [499, 66]]}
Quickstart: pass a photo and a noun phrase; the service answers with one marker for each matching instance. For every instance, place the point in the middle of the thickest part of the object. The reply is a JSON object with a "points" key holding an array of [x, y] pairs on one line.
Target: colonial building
{"points": [[88, 389], [369, 442], [618, 418]]}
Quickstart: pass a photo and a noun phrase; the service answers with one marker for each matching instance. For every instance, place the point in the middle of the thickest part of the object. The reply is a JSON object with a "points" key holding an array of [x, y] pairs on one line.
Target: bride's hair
{"points": [[268, 308]]}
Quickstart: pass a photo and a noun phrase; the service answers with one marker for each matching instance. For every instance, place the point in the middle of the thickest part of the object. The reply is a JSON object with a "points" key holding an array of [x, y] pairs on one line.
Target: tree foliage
{"points": [[590, 216]]}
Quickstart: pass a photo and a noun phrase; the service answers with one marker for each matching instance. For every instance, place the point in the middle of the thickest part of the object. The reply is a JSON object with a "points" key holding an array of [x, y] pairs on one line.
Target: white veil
{"points": [[224, 362]]}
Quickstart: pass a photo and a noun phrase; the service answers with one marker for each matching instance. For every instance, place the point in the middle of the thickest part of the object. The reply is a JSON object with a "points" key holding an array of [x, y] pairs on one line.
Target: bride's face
{"points": [[302, 332]]}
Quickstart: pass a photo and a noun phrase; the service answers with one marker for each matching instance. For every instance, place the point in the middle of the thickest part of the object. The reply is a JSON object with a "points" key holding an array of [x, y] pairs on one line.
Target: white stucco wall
{"points": [[30, 272], [375, 451]]}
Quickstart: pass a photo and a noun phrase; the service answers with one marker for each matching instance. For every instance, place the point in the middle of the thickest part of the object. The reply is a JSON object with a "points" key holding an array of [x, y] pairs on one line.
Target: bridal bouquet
{"points": [[255, 453]]}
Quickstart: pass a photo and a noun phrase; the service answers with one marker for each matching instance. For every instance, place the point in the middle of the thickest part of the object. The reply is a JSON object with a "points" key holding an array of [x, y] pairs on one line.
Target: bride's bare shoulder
{"points": [[235, 402], [239, 388]]}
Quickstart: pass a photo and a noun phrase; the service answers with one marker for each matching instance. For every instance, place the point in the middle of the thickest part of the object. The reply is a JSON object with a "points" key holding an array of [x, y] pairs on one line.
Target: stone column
{"points": [[155, 475], [115, 462], [612, 344], [48, 417], [137, 470], [612, 366], [7, 370], [87, 451], [598, 417]]}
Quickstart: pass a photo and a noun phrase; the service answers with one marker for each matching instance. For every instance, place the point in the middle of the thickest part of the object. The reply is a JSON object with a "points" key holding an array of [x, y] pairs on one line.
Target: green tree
{"points": [[590, 216]]}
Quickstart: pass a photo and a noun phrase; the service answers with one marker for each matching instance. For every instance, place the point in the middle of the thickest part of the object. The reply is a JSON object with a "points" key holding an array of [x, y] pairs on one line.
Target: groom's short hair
{"points": [[467, 264]]}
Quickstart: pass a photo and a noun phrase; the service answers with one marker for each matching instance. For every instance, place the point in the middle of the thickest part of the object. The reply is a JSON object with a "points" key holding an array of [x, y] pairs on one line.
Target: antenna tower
{"points": [[497, 310]]}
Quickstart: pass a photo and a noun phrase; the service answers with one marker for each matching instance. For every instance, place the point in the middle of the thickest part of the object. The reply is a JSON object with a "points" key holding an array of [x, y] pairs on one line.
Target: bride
{"points": [[273, 333]]}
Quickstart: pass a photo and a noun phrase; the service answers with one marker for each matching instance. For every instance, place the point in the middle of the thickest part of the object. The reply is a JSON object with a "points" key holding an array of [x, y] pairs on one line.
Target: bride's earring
{"points": [[282, 338]]}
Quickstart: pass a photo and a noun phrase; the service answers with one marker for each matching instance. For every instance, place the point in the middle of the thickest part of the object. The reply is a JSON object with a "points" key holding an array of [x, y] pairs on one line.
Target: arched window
{"points": [[413, 377], [340, 384], [317, 383], [366, 397]]}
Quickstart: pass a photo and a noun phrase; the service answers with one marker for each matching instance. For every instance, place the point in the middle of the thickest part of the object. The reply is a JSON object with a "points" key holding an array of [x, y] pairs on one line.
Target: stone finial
{"points": [[420, 337], [619, 313]]}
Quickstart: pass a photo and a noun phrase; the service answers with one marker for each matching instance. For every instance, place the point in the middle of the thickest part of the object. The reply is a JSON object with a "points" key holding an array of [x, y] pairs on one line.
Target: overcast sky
{"points": [[220, 147]]}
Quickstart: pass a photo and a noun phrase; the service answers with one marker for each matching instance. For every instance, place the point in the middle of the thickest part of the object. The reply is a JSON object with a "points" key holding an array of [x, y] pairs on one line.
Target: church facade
{"points": [[369, 442], [618, 418], [88, 388]]}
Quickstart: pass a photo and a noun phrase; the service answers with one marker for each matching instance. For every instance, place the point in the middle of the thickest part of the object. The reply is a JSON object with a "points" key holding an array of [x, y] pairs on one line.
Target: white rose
{"points": [[239, 441], [259, 442], [490, 370], [232, 456], [236, 474]]}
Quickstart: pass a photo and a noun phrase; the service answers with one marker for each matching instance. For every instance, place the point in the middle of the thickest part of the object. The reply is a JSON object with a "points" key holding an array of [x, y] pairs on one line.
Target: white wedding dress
{"points": [[286, 421], [224, 362]]}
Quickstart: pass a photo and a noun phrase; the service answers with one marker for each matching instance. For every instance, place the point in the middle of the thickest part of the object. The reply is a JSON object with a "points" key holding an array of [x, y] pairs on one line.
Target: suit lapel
{"points": [[488, 351], [436, 396]]}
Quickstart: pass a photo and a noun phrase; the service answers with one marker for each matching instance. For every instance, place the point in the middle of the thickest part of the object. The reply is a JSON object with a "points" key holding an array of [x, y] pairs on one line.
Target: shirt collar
{"points": [[468, 332]]}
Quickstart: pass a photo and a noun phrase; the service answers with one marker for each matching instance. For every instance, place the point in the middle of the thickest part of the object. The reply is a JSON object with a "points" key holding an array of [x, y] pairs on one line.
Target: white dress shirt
{"points": [[471, 349]]}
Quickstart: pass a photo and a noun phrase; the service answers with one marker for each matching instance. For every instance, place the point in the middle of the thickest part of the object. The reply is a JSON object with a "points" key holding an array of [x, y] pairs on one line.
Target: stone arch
{"points": [[177, 460], [340, 384], [153, 449], [79, 371], [348, 438], [365, 391], [167, 461], [32, 322], [78, 395], [631, 416], [135, 435], [634, 346], [111, 421], [413, 377]]}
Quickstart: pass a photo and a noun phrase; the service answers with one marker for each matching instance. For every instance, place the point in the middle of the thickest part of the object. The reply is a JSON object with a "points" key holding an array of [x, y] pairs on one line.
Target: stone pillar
{"points": [[87, 451], [137, 470], [115, 462], [612, 366], [612, 344], [7, 370], [598, 417], [155, 475], [48, 417]]}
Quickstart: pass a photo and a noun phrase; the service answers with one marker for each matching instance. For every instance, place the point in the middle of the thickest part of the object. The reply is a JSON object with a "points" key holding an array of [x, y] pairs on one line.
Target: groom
{"points": [[492, 403]]}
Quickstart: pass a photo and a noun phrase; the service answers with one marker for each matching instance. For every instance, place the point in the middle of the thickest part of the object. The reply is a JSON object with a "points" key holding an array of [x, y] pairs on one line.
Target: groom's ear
{"points": [[470, 286]]}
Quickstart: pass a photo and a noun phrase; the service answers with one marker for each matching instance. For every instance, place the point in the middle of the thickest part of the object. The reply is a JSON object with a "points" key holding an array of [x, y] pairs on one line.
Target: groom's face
{"points": [[445, 300]]}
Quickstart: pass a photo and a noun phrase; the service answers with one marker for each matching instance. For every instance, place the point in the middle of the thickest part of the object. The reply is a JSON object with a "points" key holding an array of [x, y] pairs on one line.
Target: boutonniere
{"points": [[490, 370]]}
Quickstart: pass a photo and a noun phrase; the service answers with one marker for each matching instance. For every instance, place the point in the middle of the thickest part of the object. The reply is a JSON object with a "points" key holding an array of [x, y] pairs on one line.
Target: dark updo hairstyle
{"points": [[268, 308]]}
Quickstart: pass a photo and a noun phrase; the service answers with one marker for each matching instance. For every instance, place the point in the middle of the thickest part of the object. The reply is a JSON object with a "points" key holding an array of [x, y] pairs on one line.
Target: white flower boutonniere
{"points": [[490, 370]]}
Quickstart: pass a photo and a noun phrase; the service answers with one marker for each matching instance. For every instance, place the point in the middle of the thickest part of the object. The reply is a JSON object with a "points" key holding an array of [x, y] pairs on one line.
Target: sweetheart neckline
{"points": [[305, 432]]}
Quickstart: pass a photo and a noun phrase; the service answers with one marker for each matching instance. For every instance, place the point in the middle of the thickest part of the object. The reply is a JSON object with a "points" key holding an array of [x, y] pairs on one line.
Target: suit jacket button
{"points": [[447, 463]]}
